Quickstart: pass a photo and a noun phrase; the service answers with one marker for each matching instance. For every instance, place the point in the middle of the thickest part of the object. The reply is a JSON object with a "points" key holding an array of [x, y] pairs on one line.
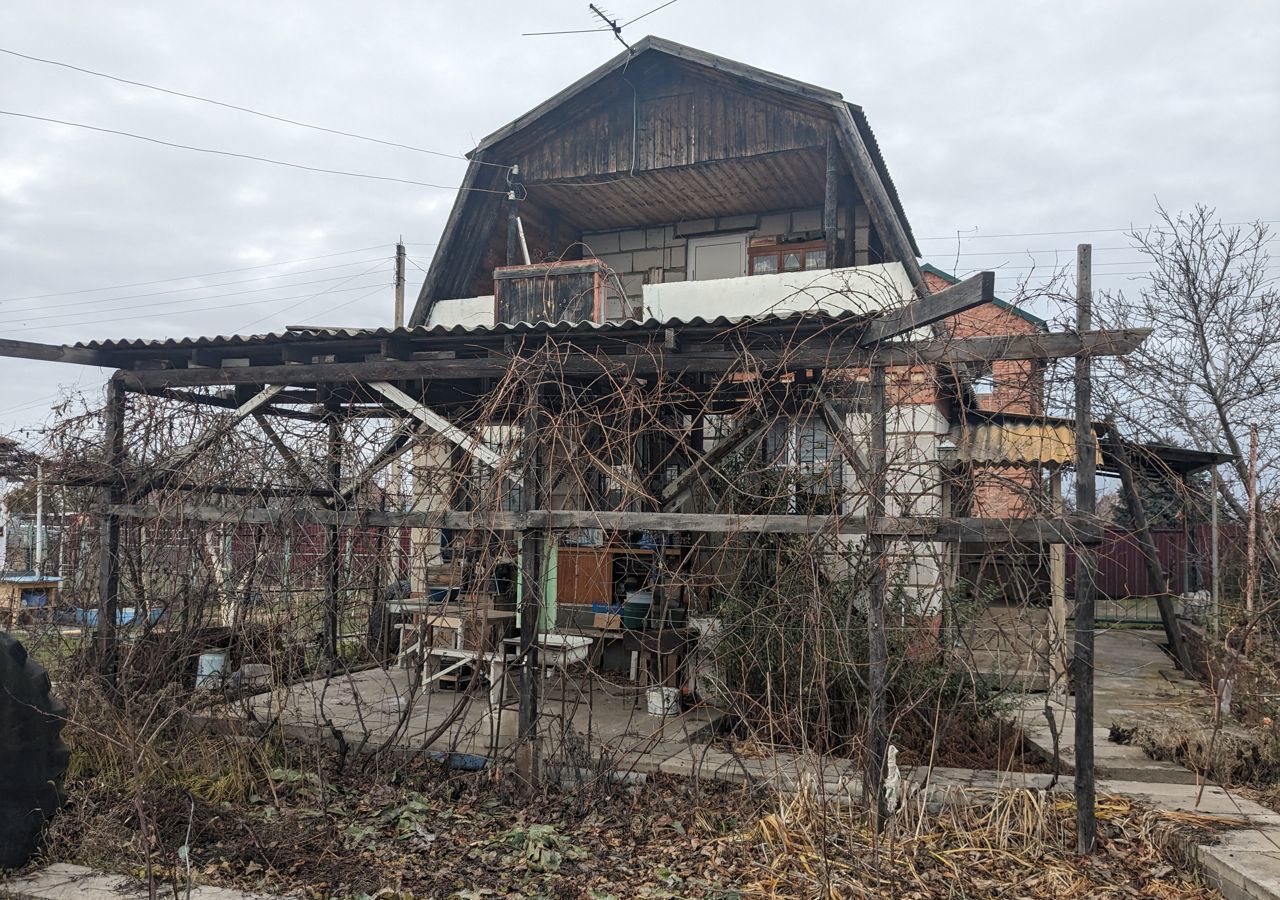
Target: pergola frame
{"points": [[426, 381]]}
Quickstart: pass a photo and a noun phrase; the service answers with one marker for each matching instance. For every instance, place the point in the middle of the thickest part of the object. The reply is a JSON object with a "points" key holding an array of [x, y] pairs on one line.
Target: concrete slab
{"points": [[63, 881], [378, 707]]}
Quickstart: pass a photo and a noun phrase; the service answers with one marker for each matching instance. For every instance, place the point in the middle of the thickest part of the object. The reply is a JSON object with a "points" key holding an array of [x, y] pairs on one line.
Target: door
{"points": [[717, 256]]}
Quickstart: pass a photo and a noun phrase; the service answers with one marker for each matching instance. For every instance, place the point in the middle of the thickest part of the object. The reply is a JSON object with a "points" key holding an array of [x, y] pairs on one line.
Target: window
{"points": [[770, 259]]}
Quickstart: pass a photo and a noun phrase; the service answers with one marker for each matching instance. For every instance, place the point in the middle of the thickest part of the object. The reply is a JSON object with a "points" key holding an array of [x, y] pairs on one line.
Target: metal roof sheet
{"points": [[309, 334], [1016, 444]]}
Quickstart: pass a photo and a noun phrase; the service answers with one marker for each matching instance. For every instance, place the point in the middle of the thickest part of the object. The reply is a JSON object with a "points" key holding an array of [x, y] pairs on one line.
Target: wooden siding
{"points": [[560, 292], [679, 119]]}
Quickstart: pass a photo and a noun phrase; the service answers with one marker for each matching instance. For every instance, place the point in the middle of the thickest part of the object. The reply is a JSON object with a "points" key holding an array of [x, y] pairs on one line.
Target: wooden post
{"points": [[831, 202], [1215, 575], [1251, 548], [1057, 595], [1086, 502], [109, 531], [1142, 530], [332, 544], [877, 642], [399, 308], [397, 493], [531, 549], [1189, 549], [514, 257]]}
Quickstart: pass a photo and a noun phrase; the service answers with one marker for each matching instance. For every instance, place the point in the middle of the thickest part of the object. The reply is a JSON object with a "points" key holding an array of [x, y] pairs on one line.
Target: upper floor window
{"points": [[770, 259]]}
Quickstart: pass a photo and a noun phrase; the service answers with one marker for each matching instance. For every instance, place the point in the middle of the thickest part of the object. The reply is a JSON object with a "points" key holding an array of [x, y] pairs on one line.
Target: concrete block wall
{"points": [[658, 254]]}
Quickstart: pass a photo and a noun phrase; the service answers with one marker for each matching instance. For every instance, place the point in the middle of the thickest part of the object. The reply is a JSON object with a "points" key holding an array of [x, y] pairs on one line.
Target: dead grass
{"points": [[425, 832]]}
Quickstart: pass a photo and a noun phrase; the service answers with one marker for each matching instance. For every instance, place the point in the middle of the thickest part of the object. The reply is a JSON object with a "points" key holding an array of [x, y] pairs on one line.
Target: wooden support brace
{"points": [[680, 489], [442, 426], [169, 467], [1142, 530], [971, 292]]}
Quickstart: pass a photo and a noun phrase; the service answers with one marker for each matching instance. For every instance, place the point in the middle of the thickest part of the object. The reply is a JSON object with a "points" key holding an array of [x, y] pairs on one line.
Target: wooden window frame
{"points": [[777, 251]]}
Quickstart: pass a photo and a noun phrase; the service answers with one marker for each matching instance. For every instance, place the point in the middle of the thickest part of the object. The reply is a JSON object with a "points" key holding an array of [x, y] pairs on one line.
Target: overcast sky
{"points": [[1010, 118]]}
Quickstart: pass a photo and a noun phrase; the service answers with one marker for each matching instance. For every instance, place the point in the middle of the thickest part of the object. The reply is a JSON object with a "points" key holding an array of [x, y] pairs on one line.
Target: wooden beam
{"points": [[291, 460], [680, 489], [848, 443], [183, 455], [834, 356], [1142, 530], [957, 298], [1086, 567], [443, 427], [402, 439], [51, 353], [831, 202], [925, 529], [332, 539], [109, 533], [877, 599], [876, 196]]}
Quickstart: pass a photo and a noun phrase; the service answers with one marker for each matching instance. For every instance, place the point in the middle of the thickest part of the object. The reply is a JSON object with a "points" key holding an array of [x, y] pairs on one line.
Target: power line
{"points": [[243, 109], [190, 312], [204, 287], [968, 237], [649, 13], [19, 317], [346, 303], [599, 30], [117, 287], [305, 299], [248, 156]]}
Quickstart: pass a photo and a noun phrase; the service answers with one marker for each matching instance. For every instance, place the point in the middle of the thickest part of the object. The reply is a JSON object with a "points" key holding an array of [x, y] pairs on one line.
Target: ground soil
{"points": [[422, 831]]}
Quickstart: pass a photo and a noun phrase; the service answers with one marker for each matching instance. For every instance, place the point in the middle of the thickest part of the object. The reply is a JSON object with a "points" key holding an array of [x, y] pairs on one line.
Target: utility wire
{"points": [[597, 30], [249, 156], [190, 312], [330, 290], [117, 287], [205, 287], [243, 109], [649, 13], [18, 316], [970, 237]]}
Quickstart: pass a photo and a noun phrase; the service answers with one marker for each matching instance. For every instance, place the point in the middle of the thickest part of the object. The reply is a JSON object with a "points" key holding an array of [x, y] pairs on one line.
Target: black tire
{"points": [[33, 757]]}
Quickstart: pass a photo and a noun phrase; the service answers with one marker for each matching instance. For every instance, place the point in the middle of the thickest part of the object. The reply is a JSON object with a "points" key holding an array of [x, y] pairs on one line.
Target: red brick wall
{"points": [[1017, 386]]}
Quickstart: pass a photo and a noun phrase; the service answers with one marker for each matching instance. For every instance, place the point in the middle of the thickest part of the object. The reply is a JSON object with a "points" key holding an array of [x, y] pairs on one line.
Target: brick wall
{"points": [[1014, 386]]}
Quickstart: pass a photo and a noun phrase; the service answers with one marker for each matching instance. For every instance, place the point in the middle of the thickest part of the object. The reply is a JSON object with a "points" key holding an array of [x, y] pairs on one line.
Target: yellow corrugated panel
{"points": [[1016, 443]]}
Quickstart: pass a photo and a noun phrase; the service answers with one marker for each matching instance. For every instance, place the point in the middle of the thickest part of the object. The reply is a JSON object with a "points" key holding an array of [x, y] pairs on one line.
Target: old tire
{"points": [[33, 757]]}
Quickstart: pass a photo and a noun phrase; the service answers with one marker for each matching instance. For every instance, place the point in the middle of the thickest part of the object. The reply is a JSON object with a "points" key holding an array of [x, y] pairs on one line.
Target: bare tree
{"points": [[1211, 368]]}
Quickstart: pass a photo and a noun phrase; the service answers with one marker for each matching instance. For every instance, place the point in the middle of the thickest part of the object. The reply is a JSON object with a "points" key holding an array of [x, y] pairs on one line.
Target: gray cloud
{"points": [[1012, 117]]}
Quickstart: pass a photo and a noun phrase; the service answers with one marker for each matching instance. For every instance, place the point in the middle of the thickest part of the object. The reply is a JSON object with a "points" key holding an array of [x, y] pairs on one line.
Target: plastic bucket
{"points": [[211, 671], [636, 610], [663, 701]]}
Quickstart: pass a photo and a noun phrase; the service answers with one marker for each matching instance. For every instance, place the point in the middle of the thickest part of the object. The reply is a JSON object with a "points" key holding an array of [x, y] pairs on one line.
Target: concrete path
{"points": [[63, 881], [1134, 680]]}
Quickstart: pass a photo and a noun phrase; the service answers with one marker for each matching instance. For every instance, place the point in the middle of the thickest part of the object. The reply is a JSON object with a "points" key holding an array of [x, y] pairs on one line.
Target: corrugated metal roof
{"points": [[305, 335], [1021, 443]]}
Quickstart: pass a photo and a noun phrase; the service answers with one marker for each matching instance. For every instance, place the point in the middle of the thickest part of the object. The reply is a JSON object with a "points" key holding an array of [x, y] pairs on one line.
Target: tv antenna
{"points": [[610, 23]]}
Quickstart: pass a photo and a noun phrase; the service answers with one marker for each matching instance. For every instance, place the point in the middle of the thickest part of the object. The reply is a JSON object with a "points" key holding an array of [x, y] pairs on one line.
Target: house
{"points": [[671, 165], [671, 185]]}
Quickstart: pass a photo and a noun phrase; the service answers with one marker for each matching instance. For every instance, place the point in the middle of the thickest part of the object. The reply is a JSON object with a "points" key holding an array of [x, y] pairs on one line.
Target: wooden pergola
{"points": [[427, 382]]}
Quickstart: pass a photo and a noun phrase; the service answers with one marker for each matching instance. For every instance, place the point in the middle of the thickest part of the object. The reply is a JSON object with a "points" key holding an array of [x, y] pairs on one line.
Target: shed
{"points": [[23, 596]]}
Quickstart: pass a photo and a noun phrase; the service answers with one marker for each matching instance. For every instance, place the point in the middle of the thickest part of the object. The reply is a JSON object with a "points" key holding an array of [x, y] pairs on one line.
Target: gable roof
{"points": [[1018, 311], [856, 140]]}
